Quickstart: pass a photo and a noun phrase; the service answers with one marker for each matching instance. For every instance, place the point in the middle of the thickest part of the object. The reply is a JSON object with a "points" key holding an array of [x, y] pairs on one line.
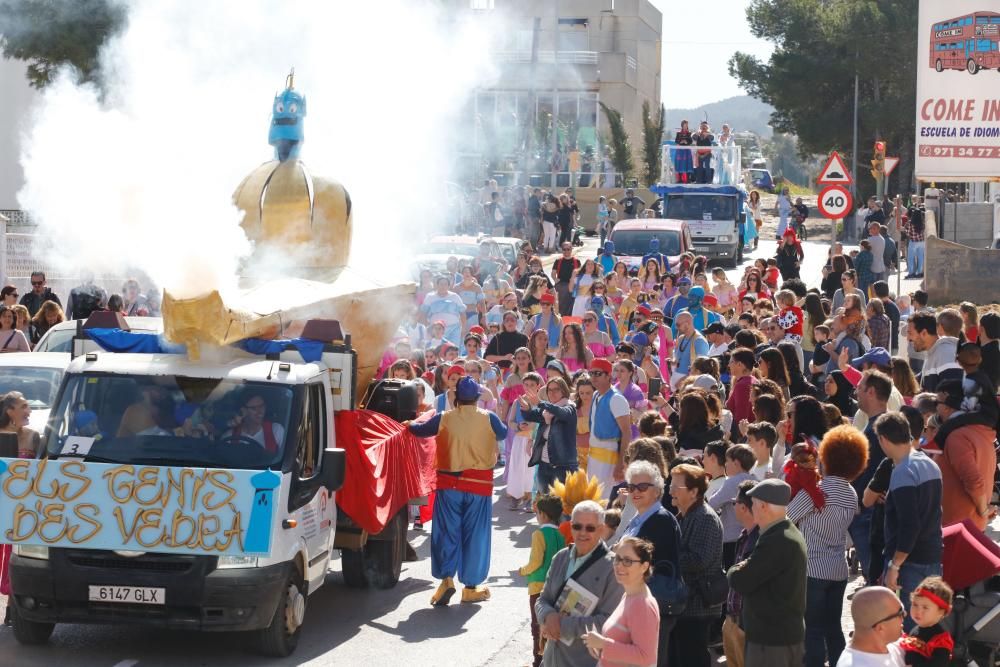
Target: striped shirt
{"points": [[825, 531]]}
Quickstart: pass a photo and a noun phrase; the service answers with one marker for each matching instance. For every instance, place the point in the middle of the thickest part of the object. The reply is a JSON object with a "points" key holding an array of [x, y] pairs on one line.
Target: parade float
{"points": [[202, 479]]}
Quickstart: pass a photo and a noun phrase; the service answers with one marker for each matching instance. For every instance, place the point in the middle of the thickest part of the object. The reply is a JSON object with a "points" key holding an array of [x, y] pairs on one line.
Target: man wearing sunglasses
{"points": [[878, 622], [586, 564], [39, 294]]}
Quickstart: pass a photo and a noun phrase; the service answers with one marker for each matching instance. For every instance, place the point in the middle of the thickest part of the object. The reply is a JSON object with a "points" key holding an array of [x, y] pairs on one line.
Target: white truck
{"points": [[168, 414], [709, 198]]}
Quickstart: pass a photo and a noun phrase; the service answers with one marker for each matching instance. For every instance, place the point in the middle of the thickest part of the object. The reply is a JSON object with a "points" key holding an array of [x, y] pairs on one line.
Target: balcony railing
{"points": [[718, 165], [548, 57]]}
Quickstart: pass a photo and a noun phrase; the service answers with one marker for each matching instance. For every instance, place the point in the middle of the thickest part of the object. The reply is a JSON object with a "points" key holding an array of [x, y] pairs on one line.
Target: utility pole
{"points": [[854, 152]]}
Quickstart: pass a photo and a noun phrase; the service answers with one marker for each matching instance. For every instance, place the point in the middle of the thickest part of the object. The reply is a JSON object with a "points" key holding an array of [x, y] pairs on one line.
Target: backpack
{"points": [[85, 302]]}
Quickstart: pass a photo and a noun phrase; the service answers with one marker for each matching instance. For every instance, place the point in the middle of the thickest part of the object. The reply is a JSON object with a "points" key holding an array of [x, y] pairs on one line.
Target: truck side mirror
{"points": [[332, 471]]}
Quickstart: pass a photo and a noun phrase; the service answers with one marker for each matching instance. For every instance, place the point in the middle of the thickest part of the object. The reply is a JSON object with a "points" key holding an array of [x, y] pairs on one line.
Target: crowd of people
{"points": [[746, 440], [25, 319]]}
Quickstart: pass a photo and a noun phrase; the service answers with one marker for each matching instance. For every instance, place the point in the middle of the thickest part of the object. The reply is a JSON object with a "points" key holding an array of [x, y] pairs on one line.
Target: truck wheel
{"points": [[29, 632], [279, 639], [379, 562]]}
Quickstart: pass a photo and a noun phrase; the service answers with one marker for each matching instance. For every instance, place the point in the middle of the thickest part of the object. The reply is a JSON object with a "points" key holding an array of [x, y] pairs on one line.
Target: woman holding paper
{"points": [[629, 636]]}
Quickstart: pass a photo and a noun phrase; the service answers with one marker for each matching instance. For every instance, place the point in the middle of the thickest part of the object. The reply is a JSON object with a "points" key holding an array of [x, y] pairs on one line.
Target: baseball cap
{"points": [[772, 491], [644, 310], [602, 365], [877, 356], [457, 368], [684, 281], [547, 298], [714, 328], [640, 339], [467, 389]]}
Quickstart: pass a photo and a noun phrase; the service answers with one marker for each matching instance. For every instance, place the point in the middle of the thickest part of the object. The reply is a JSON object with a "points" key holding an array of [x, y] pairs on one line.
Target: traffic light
{"points": [[878, 164]]}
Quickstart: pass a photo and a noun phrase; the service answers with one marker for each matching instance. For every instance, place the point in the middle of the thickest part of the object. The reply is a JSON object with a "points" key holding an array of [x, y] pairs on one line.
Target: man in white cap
{"points": [[772, 582]]}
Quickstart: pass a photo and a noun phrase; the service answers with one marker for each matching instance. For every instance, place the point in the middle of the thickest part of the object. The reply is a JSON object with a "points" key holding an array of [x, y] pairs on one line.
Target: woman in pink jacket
{"points": [[629, 636]]}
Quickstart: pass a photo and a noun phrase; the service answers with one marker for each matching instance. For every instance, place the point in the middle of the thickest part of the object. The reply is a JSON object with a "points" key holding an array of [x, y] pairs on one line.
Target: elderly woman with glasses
{"points": [[653, 523], [588, 564], [700, 560]]}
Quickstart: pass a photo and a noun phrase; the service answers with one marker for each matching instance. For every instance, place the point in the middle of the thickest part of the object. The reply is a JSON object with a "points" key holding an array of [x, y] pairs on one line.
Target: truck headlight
{"points": [[233, 562], [724, 239], [32, 551]]}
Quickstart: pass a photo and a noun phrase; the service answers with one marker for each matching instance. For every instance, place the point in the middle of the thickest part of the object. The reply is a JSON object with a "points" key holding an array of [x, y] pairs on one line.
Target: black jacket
{"points": [[991, 362], [664, 533], [33, 302], [698, 439], [561, 441]]}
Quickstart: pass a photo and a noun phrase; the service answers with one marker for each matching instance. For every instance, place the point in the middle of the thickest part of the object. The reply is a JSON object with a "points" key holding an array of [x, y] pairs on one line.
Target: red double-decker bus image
{"points": [[970, 42]]}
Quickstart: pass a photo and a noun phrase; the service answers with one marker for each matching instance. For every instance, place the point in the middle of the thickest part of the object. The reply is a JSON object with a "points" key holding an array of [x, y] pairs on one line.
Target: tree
{"points": [[809, 78], [621, 147], [49, 34], [652, 142]]}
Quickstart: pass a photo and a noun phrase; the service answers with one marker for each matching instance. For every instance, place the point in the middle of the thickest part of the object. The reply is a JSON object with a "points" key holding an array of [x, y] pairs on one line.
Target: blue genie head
{"points": [[287, 116]]}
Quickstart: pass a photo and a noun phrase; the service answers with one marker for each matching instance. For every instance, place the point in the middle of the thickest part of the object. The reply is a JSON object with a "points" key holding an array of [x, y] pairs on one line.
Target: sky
{"points": [[695, 56]]}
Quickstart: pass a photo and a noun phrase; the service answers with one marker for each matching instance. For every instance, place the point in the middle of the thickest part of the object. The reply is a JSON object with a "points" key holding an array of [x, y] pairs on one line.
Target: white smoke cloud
{"points": [[143, 177]]}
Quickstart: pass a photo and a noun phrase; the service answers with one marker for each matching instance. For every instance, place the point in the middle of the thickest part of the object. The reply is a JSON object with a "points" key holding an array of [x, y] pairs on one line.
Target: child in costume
{"points": [[520, 476], [801, 474], [790, 317], [929, 644], [577, 488], [546, 542]]}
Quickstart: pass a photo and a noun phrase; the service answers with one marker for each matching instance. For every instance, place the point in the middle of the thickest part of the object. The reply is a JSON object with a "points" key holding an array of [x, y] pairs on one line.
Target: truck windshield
{"points": [[172, 420], [635, 242], [701, 207]]}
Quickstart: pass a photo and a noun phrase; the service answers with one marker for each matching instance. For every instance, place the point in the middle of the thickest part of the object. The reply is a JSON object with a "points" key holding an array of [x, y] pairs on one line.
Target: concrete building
{"points": [[557, 59], [14, 109]]}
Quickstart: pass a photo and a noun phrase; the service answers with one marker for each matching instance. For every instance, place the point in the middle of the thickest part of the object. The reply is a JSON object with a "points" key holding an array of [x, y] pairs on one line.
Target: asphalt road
{"points": [[348, 626], [343, 625]]}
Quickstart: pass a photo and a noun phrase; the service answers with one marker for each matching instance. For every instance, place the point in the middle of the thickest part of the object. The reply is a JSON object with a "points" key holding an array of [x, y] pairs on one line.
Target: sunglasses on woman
{"points": [[641, 486]]}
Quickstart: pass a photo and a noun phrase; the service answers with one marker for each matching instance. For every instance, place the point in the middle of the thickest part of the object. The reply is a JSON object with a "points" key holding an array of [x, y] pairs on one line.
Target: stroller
{"points": [[972, 569], [578, 233]]}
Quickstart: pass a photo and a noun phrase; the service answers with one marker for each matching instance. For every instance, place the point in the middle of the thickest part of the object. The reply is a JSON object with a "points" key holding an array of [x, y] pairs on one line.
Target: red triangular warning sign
{"points": [[835, 172], [890, 164]]}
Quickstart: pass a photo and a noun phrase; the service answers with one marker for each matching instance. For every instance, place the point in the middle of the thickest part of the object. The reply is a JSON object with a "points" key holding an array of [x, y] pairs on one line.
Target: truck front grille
{"points": [[142, 563]]}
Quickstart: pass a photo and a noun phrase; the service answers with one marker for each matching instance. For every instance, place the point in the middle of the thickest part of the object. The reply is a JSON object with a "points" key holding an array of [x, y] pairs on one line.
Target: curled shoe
{"points": [[475, 594], [442, 596]]}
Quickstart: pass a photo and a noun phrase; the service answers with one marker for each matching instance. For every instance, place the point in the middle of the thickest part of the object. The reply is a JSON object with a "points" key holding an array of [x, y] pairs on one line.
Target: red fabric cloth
{"points": [[969, 555], [386, 466]]}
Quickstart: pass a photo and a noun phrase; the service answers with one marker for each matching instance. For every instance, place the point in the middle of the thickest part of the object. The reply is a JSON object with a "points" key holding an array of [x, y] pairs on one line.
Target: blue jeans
{"points": [[860, 531], [915, 258], [824, 637], [910, 576]]}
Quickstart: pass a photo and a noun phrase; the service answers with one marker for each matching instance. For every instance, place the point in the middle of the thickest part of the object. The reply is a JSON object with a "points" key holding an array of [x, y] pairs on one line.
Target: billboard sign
{"points": [[958, 97]]}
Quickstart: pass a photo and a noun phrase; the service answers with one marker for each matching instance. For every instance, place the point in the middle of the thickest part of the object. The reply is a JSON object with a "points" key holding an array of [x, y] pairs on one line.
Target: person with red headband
{"points": [[930, 644]]}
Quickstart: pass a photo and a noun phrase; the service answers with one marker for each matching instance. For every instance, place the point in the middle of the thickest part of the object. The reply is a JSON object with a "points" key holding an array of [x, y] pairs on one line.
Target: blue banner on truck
{"points": [[201, 511]]}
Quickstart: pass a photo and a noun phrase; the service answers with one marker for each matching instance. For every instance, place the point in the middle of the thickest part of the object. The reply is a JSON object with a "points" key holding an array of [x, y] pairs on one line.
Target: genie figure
{"points": [[287, 116]]}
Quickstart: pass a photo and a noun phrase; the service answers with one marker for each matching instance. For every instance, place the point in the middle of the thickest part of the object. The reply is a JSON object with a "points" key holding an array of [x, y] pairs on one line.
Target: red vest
{"points": [[270, 443]]}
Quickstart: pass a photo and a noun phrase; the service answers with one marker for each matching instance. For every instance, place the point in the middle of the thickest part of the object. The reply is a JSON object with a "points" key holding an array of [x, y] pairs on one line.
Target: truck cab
{"points": [[209, 497], [712, 213]]}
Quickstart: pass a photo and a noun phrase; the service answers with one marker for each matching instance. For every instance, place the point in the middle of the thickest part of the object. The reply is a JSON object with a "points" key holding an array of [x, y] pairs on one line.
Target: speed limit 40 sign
{"points": [[834, 202]]}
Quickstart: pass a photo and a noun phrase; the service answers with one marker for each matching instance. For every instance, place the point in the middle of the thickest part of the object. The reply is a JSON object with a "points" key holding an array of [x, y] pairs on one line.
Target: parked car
{"points": [[434, 254], [632, 237], [511, 247], [60, 337], [37, 375]]}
